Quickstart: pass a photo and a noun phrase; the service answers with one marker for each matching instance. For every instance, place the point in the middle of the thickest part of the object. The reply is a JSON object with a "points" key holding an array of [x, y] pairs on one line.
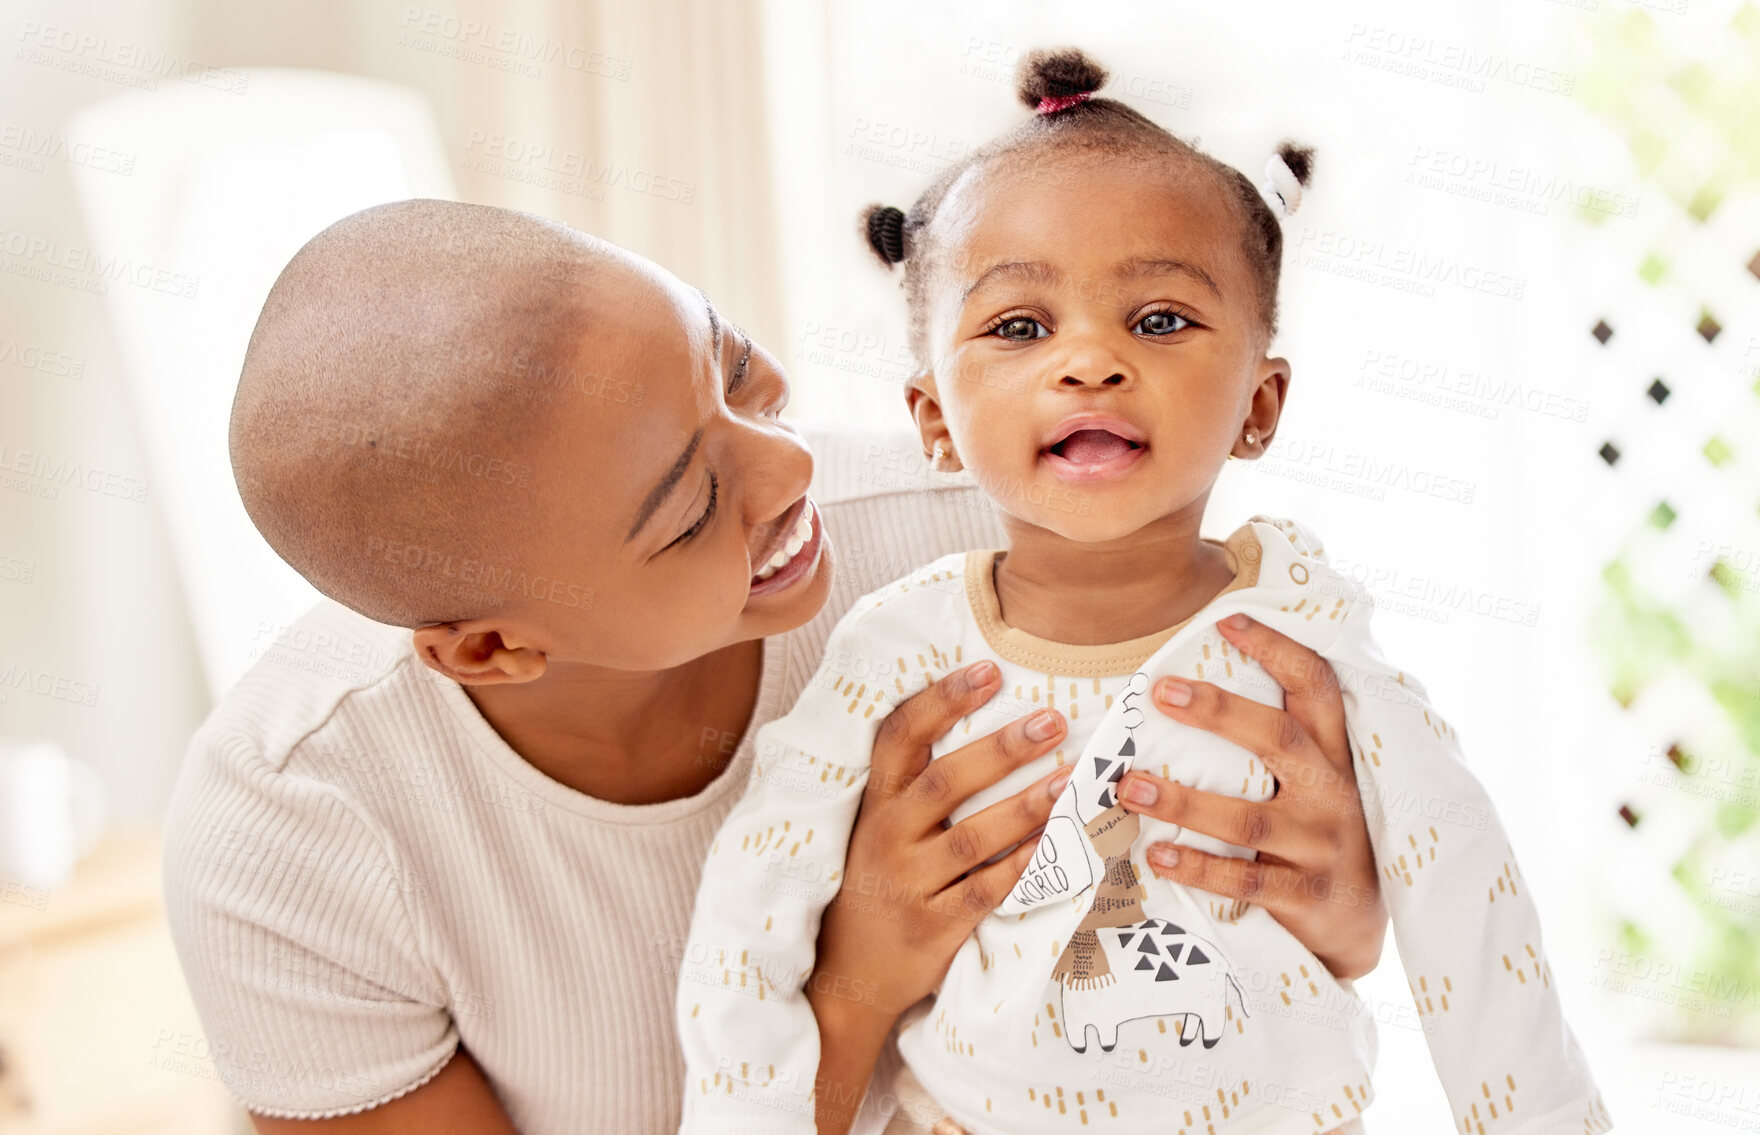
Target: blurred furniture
{"points": [[225, 188], [97, 1032]]}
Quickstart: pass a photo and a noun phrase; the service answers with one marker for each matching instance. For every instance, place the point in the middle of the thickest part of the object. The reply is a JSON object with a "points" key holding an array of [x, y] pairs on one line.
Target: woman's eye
{"points": [[1021, 329], [1162, 323], [703, 520]]}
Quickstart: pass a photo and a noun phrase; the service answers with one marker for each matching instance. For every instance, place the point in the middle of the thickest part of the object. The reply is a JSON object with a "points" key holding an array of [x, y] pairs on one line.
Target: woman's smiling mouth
{"points": [[796, 557]]}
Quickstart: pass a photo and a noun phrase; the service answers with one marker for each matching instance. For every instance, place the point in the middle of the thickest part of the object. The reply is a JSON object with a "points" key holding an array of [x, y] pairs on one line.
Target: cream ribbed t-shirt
{"points": [[360, 873]]}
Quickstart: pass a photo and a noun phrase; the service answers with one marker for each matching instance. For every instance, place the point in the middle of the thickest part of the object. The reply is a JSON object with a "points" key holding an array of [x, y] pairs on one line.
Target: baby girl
{"points": [[1091, 301]]}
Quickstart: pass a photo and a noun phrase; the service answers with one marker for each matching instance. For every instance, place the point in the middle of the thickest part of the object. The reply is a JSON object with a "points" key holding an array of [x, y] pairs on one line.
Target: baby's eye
{"points": [[1162, 323], [1020, 329]]}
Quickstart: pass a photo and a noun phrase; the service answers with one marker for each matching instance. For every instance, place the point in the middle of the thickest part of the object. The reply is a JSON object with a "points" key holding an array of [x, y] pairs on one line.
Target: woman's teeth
{"points": [[803, 531]]}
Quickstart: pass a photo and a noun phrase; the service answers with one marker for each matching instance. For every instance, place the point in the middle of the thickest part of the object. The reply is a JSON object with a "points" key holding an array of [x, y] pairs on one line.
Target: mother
{"points": [[438, 878]]}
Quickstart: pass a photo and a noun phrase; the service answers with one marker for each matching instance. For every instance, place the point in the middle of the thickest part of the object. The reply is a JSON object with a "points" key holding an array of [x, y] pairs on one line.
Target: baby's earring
{"points": [[1250, 438], [942, 460]]}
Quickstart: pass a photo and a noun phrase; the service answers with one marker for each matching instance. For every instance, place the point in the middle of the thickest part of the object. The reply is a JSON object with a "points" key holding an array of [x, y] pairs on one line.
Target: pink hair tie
{"points": [[1051, 104]]}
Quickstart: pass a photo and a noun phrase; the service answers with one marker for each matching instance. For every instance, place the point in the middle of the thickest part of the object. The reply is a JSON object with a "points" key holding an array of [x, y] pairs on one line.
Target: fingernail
{"points": [[1172, 691], [981, 673], [1141, 791], [1238, 621], [1055, 787], [1042, 726], [1164, 855]]}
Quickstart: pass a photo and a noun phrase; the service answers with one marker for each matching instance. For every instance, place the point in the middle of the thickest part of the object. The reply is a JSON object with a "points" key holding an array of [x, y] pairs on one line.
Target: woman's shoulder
{"points": [[310, 736], [895, 609], [887, 512], [859, 462]]}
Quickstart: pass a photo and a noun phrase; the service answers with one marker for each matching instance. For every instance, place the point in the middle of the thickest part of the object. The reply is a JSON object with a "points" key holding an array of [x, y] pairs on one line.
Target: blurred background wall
{"points": [[1520, 300]]}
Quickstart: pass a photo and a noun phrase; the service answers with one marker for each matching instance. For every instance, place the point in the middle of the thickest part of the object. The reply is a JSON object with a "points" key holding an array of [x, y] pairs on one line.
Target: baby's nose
{"points": [[1090, 360], [1113, 379]]}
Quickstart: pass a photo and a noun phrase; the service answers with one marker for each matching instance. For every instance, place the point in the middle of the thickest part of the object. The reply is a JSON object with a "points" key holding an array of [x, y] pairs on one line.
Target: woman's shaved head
{"points": [[394, 397], [524, 443]]}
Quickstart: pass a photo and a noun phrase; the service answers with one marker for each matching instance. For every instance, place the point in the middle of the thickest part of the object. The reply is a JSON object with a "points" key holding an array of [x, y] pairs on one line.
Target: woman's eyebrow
{"points": [[667, 483], [714, 326]]}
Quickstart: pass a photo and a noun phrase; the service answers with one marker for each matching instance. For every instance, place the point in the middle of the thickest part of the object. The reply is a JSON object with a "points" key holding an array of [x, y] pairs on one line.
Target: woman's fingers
{"points": [[901, 748], [951, 778], [1263, 826], [1275, 735], [1315, 872], [1273, 886], [982, 891], [999, 827], [1310, 685]]}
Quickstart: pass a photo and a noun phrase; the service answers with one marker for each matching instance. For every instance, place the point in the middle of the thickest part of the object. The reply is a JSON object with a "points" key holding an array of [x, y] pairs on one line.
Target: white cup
{"points": [[52, 813]]}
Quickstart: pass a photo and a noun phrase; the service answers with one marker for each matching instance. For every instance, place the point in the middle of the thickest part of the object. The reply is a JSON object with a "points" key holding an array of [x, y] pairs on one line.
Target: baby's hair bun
{"points": [[1066, 73], [883, 225], [1286, 175], [1299, 159]]}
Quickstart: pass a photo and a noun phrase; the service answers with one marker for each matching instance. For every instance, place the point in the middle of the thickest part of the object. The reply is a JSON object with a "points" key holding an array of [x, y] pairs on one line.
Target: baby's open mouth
{"points": [[1090, 448], [1093, 447]]}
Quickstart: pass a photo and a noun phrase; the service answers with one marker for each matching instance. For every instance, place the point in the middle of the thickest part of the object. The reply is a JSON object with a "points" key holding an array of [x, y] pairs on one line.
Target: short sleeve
{"points": [[289, 915]]}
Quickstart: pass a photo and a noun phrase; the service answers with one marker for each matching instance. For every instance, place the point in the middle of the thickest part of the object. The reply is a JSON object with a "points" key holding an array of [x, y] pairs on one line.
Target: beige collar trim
{"points": [[1100, 660]]}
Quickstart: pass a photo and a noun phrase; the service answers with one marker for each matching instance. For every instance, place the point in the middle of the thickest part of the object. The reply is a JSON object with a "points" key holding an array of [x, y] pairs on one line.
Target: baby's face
{"points": [[665, 501], [1095, 341]]}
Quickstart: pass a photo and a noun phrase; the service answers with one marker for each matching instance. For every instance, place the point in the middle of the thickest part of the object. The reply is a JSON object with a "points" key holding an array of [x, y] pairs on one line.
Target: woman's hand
{"points": [[1315, 873], [912, 889]]}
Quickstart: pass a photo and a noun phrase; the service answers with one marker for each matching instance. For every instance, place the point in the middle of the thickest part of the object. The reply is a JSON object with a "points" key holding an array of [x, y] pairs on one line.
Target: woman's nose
{"points": [[778, 471]]}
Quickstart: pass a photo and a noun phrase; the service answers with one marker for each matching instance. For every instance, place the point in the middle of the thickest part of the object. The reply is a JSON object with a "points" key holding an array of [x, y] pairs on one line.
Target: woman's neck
{"points": [[1092, 594], [630, 737]]}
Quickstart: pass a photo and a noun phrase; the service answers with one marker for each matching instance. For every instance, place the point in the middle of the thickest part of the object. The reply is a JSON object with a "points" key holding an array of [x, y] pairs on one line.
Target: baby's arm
{"points": [[749, 1035], [1468, 932]]}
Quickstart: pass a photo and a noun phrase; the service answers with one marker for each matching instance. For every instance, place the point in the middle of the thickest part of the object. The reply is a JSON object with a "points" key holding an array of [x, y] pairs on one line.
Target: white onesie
{"points": [[1099, 996]]}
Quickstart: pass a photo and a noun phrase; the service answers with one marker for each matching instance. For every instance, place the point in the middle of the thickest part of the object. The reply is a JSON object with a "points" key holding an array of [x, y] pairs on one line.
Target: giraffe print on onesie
{"points": [[1099, 995]]}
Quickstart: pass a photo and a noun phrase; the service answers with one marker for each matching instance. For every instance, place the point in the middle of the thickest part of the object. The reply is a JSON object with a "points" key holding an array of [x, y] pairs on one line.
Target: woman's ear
{"points": [[925, 406], [473, 655]]}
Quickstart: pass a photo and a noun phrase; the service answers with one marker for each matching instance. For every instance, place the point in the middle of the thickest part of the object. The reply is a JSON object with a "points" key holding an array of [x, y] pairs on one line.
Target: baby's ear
{"points": [[1270, 392], [925, 406]]}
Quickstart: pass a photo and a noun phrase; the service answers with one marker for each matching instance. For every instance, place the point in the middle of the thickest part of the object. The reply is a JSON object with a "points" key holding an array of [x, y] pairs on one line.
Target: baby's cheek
{"points": [[982, 402]]}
